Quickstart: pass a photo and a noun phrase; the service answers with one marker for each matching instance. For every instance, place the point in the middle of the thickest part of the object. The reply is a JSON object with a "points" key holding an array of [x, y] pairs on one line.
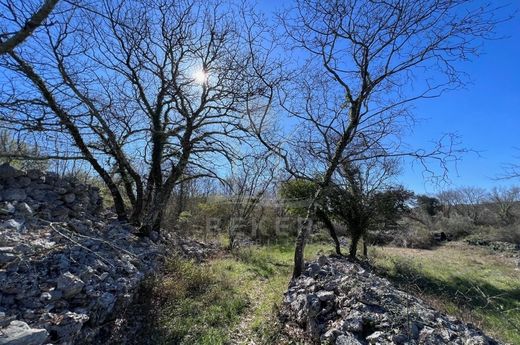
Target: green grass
{"points": [[465, 281], [195, 304], [234, 298], [231, 295]]}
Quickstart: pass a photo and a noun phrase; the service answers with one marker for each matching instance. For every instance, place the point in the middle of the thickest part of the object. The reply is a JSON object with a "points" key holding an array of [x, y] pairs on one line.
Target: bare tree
{"points": [[143, 91], [448, 200], [15, 27], [470, 202], [252, 176], [505, 200], [366, 61]]}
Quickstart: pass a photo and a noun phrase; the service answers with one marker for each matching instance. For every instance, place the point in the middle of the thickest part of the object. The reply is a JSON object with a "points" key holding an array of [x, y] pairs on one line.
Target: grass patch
{"points": [[461, 280], [195, 305], [232, 298]]}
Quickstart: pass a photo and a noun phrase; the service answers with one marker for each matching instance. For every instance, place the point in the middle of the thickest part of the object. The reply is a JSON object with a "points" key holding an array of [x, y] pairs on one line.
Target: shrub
{"points": [[487, 234], [457, 226], [414, 236]]}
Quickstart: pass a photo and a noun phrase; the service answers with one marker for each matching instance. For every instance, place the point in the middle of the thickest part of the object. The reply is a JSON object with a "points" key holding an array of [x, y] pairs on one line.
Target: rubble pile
{"points": [[337, 301], [67, 267]]}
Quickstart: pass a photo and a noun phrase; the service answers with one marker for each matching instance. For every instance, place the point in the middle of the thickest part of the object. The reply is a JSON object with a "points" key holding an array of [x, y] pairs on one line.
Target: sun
{"points": [[200, 76]]}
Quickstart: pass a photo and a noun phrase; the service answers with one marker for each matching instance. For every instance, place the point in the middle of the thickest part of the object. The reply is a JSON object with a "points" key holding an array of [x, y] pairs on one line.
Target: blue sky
{"points": [[485, 113]]}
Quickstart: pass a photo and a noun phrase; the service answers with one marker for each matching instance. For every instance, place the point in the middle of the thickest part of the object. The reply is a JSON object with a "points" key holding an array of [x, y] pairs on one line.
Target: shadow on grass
{"points": [[187, 304], [493, 305]]}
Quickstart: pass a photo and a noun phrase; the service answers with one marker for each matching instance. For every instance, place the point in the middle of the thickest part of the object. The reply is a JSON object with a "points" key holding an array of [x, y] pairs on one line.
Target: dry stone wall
{"points": [[337, 301], [67, 267]]}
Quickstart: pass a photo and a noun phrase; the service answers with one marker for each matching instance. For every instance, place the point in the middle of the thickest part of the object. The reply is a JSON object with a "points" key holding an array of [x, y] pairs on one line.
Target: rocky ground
{"points": [[341, 302], [66, 266]]}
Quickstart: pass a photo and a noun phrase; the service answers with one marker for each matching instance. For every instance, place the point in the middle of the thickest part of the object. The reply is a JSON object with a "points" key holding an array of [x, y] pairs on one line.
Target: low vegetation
{"points": [[235, 298], [469, 282], [231, 297]]}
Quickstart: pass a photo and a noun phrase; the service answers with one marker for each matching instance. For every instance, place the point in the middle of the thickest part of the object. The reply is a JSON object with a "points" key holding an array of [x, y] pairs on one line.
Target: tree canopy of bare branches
{"points": [[141, 90], [364, 62], [16, 26]]}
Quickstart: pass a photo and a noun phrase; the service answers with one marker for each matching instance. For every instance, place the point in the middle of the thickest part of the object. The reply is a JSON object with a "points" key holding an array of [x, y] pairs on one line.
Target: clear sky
{"points": [[485, 113]]}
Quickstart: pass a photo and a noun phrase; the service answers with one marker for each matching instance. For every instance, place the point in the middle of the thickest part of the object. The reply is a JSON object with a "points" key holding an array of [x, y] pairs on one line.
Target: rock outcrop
{"points": [[340, 302], [67, 267]]}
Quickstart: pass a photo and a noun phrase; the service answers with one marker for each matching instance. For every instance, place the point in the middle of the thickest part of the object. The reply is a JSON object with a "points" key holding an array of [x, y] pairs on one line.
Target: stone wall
{"points": [[46, 195], [67, 267], [339, 302]]}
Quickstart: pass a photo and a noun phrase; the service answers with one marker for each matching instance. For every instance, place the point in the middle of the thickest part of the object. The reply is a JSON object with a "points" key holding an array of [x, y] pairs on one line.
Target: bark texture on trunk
{"points": [[332, 230]]}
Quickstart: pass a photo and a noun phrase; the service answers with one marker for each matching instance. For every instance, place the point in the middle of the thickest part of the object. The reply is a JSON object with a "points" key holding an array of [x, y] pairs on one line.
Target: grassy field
{"points": [[465, 281], [233, 298]]}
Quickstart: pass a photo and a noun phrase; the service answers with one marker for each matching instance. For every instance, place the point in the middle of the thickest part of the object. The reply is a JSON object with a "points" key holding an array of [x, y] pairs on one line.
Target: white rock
{"points": [[347, 339], [19, 333], [12, 224], [69, 284]]}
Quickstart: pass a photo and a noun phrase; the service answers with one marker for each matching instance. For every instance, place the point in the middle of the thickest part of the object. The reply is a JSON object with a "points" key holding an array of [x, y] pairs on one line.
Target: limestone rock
{"points": [[69, 198], [12, 224], [7, 171], [347, 339], [58, 269], [14, 194], [6, 208], [337, 301], [6, 255], [19, 333], [69, 284]]}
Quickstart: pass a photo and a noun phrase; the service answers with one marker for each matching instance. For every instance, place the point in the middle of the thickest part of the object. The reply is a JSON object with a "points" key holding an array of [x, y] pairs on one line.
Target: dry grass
{"points": [[469, 282]]}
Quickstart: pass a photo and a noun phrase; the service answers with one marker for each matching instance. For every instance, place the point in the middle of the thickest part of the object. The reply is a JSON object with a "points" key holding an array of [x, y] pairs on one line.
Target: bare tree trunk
{"points": [[346, 138], [332, 230], [299, 249], [75, 133], [354, 246]]}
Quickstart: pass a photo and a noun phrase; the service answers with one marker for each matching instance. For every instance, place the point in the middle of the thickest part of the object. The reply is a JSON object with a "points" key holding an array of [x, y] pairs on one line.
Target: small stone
{"points": [[45, 296], [326, 295], [7, 208], [313, 269], [347, 339], [61, 190], [400, 339], [375, 337], [69, 284], [14, 194], [24, 181], [6, 257], [353, 324], [19, 333], [323, 260], [60, 211], [24, 209], [7, 171], [69, 198], [69, 325], [12, 224]]}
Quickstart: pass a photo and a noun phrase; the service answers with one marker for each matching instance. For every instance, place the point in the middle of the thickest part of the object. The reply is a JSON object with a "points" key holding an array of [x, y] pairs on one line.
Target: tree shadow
{"points": [[473, 295]]}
